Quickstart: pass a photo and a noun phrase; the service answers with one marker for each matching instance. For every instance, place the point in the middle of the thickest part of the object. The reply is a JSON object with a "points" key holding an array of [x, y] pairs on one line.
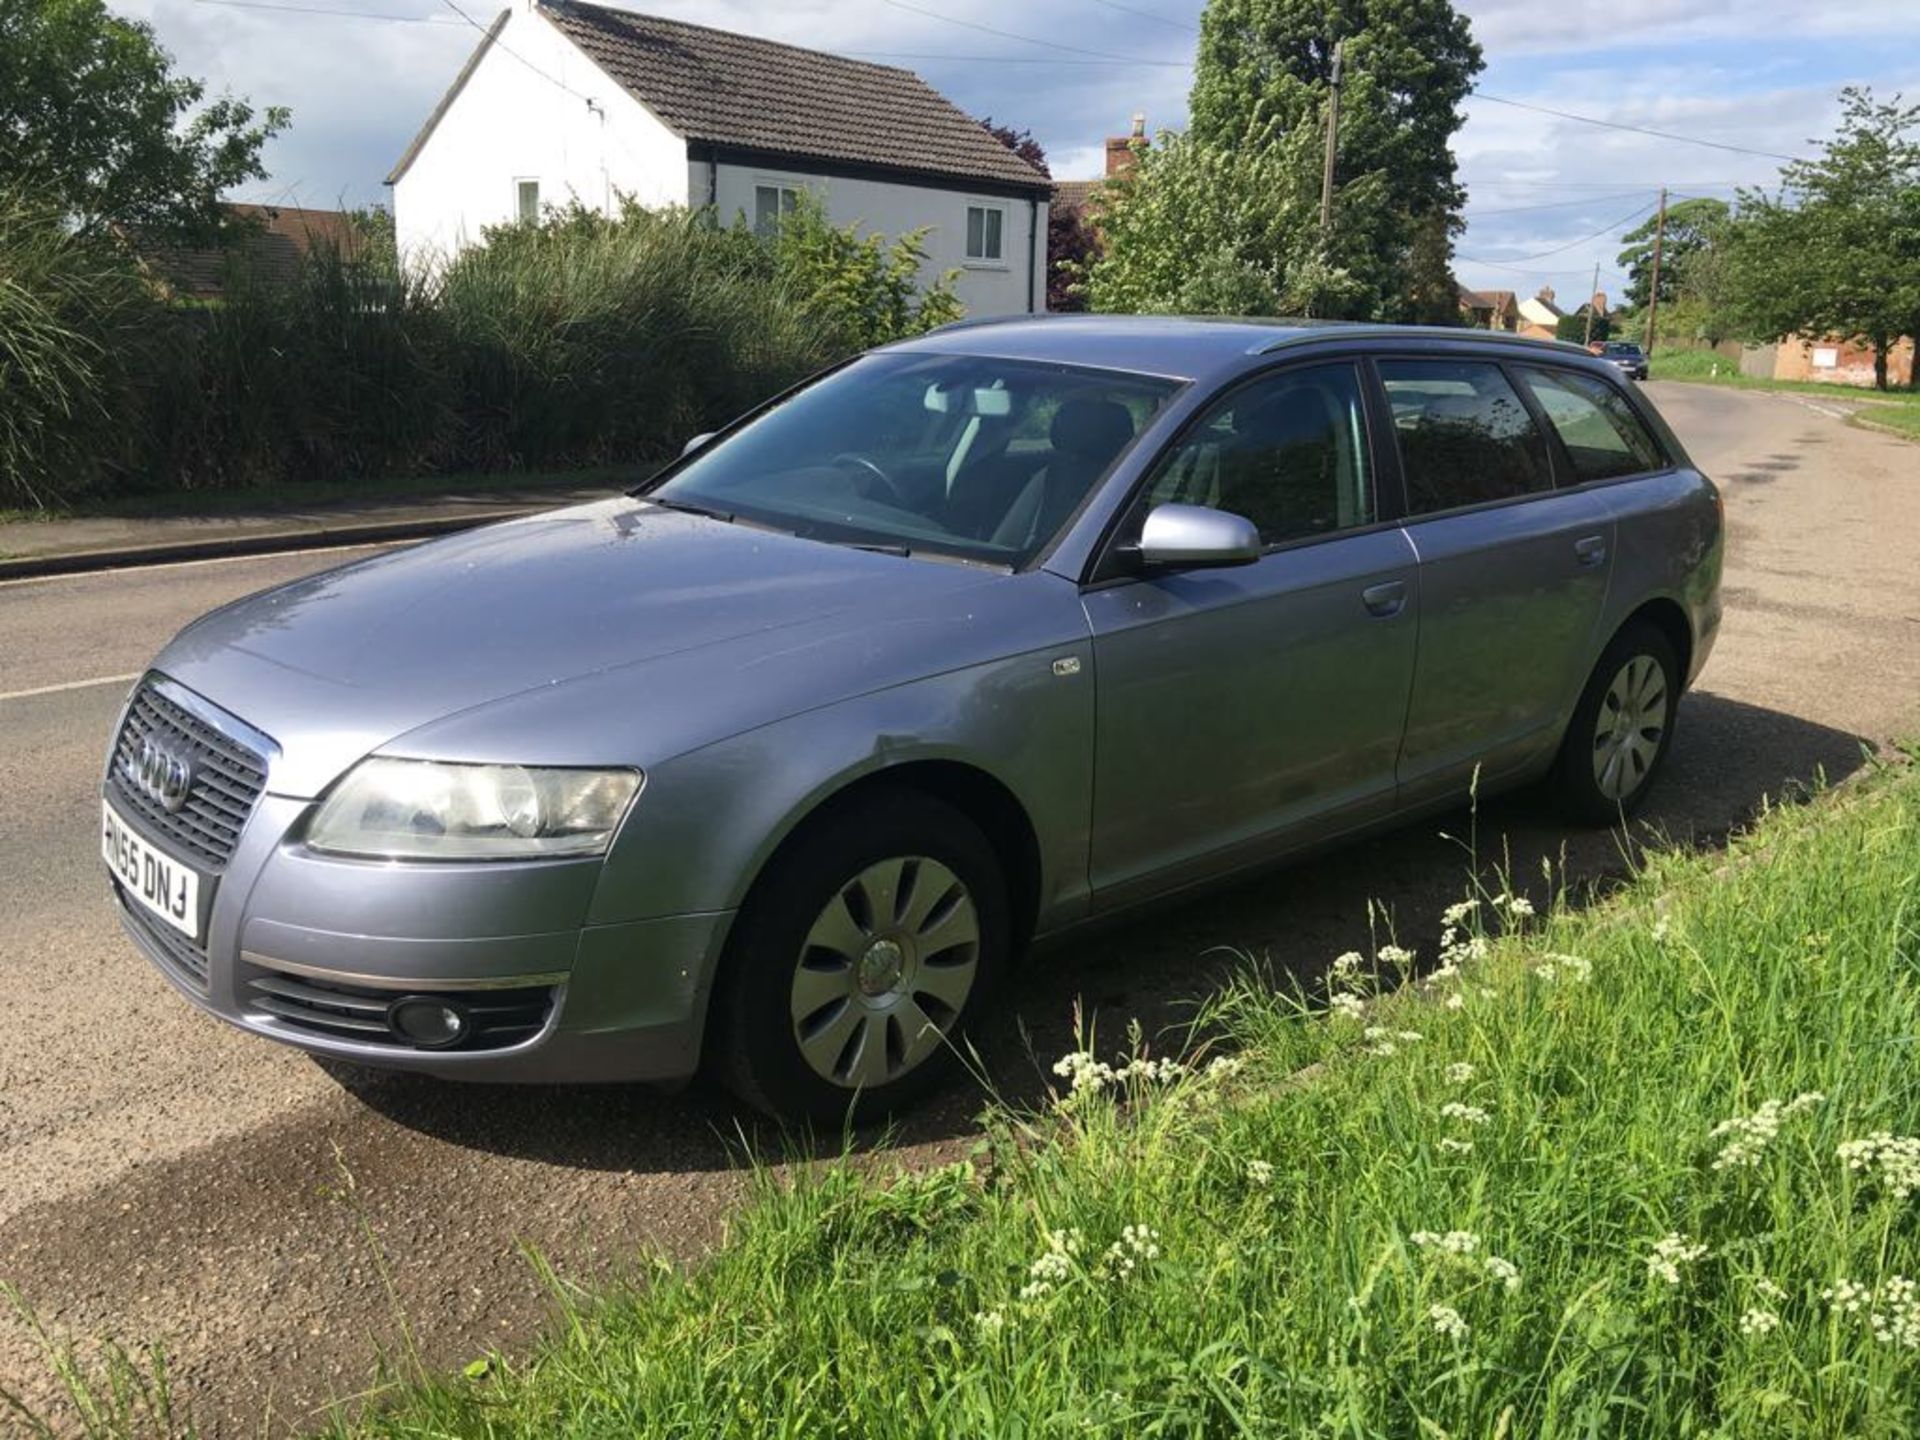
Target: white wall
{"points": [[509, 124], [893, 208]]}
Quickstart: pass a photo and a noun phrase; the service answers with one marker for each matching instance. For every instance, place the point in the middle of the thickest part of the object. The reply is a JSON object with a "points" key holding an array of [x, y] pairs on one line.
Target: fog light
{"points": [[430, 1023]]}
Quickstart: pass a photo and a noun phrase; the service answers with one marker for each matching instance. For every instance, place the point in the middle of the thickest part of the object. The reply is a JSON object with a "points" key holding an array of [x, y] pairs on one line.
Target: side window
{"points": [[1604, 438], [770, 204], [1288, 452], [1465, 437], [526, 201], [985, 227]]}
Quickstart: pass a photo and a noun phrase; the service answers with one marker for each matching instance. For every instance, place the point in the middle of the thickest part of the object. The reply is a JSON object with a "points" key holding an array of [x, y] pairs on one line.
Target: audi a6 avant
{"points": [[778, 762]]}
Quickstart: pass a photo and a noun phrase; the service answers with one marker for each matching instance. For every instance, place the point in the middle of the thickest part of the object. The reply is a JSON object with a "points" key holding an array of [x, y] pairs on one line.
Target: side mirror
{"points": [[695, 443], [1197, 537]]}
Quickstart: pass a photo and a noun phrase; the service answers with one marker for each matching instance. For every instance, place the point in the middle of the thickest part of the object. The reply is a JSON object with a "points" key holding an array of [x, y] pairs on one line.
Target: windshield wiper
{"points": [[688, 507], [874, 548]]}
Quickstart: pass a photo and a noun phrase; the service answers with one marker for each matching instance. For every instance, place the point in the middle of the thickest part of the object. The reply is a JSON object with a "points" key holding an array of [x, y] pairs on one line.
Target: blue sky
{"points": [[1760, 74]]}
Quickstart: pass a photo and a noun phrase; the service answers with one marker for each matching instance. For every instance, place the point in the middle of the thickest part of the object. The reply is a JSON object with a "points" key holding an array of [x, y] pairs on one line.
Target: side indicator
{"points": [[1067, 665]]}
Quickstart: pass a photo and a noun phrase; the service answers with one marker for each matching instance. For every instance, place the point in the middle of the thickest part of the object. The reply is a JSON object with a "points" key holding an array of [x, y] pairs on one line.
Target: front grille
{"points": [[184, 960], [357, 1012], [228, 777]]}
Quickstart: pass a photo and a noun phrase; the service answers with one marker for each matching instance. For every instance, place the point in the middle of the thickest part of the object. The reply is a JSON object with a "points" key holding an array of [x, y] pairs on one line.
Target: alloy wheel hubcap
{"points": [[1631, 727], [885, 971]]}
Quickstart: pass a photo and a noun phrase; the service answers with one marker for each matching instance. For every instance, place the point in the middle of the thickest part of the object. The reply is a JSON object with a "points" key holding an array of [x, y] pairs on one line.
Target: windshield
{"points": [[1619, 347], [960, 455]]}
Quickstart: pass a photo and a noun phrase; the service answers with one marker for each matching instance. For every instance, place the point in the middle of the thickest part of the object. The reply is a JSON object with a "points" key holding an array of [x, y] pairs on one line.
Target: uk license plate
{"points": [[164, 885]]}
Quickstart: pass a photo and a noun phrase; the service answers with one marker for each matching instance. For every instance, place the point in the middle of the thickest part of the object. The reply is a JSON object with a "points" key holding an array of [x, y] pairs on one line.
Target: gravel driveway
{"points": [[164, 1179]]}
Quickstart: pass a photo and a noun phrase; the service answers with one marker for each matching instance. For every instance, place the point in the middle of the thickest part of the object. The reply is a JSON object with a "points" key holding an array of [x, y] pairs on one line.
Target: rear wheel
{"points": [[860, 959], [1621, 729]]}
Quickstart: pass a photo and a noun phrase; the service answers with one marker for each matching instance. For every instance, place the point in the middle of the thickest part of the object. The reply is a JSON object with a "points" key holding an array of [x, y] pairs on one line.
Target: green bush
{"points": [[581, 340]]}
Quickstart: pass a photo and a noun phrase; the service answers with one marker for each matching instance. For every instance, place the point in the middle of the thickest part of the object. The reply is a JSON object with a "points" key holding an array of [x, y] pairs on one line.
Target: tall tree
{"points": [[1688, 253], [1836, 251], [1408, 65], [94, 121], [1072, 242]]}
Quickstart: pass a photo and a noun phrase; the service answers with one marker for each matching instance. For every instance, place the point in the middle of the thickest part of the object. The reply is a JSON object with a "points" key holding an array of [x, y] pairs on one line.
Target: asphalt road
{"points": [[277, 1228]]}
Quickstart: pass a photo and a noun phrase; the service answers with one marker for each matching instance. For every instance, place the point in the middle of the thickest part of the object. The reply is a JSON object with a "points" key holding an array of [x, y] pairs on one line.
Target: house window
{"points": [[986, 225], [770, 203], [527, 200]]}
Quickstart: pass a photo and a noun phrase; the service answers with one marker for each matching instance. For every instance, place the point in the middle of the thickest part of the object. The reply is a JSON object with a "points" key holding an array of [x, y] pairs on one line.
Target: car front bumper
{"points": [[311, 951]]}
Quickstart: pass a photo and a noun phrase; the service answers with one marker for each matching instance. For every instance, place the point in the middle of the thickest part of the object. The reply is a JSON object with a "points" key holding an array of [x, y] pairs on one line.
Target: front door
{"points": [[1243, 709]]}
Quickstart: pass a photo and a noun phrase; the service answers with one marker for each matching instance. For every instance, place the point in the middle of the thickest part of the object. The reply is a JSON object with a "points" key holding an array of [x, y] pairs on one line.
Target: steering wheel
{"points": [[859, 460]]}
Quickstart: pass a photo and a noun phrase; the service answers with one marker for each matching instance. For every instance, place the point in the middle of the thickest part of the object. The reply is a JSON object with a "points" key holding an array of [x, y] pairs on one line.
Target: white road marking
{"points": [[70, 685], [210, 560]]}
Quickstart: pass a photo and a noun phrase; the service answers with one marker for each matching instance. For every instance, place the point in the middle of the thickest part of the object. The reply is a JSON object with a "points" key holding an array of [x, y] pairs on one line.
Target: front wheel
{"points": [[860, 959], [1621, 729]]}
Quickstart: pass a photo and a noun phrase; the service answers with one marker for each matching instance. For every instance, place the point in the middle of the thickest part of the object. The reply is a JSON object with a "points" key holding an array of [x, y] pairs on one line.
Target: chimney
{"points": [[1120, 148], [1599, 302]]}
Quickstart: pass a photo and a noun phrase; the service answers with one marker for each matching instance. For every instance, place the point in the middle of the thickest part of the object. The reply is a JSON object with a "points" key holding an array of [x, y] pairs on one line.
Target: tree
{"points": [[1071, 240], [1689, 255], [1836, 252], [1266, 65], [1202, 229], [94, 122], [1573, 328]]}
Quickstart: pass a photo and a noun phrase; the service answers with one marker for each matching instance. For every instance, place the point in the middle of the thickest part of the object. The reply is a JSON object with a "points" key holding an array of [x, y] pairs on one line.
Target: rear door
{"points": [[1513, 575], [1241, 710]]}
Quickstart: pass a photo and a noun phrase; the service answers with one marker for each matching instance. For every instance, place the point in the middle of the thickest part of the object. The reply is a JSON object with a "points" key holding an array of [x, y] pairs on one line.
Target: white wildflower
{"points": [[1224, 1067], [1454, 1242], [989, 1323], [1458, 913], [1083, 1072], [1660, 931], [1892, 1160], [1517, 907], [1155, 1070], [1455, 1001], [1055, 1265], [1847, 1297], [1448, 1322], [1460, 1072], [1759, 1322], [1394, 957], [1347, 966], [1767, 1290], [1670, 1254], [1896, 1315], [1563, 967], [1465, 1114], [1505, 1271], [1136, 1245], [1748, 1136], [1260, 1172], [1450, 1146], [1346, 1005]]}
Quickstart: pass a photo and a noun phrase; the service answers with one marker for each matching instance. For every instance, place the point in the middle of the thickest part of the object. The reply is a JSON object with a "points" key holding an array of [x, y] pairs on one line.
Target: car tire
{"points": [[861, 957], [1621, 730]]}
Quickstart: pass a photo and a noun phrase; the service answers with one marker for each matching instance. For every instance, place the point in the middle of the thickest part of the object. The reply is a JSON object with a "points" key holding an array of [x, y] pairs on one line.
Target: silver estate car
{"points": [[778, 763]]}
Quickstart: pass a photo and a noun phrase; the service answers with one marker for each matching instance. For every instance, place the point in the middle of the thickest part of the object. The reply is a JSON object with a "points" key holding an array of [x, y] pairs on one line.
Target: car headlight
{"points": [[433, 810]]}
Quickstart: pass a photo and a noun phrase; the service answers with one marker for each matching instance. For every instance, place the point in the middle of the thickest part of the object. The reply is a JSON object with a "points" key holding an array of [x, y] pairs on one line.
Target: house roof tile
{"points": [[739, 91]]}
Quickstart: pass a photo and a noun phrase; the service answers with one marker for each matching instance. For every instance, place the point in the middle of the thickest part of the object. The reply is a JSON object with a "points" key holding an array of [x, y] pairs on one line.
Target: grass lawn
{"points": [[1898, 409], [1644, 1169], [391, 489]]}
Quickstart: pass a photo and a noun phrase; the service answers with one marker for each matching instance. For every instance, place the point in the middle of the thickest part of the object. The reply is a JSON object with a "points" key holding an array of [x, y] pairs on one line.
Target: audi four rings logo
{"points": [[159, 774]]}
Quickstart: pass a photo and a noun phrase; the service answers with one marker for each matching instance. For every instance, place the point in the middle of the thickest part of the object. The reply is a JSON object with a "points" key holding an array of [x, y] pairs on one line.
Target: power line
{"points": [[1556, 204], [931, 58], [327, 10], [1022, 39], [1635, 129], [1148, 15], [1515, 260], [488, 31]]}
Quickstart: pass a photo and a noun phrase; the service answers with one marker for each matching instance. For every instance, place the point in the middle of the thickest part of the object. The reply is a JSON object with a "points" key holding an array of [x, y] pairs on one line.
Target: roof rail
{"points": [[976, 322], [1364, 330]]}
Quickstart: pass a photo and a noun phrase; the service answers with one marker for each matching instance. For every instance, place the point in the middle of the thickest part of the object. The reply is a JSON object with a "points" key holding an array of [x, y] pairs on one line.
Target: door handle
{"points": [[1590, 549], [1386, 599]]}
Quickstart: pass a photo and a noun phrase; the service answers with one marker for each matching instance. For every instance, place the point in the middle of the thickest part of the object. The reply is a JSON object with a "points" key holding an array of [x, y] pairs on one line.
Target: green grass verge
{"points": [[1702, 365], [1589, 1179], [267, 499]]}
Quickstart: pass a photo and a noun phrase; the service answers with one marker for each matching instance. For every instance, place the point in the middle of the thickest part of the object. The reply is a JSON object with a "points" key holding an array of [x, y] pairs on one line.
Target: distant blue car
{"points": [[1628, 357], [781, 761]]}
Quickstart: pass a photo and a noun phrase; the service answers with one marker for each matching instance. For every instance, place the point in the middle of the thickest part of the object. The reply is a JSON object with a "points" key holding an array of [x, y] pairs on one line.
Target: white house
{"points": [[565, 102]]}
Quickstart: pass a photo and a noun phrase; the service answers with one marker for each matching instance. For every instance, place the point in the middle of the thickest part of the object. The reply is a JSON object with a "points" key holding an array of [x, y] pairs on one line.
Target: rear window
{"points": [[1465, 437], [1602, 435]]}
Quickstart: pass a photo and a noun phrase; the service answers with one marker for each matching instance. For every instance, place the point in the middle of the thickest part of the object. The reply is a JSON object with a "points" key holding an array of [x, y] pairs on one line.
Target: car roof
{"points": [[1182, 347]]}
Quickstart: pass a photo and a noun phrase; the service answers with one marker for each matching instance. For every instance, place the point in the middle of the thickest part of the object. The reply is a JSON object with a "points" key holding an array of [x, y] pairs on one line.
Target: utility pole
{"points": [[1333, 141], [1653, 291], [1592, 291]]}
